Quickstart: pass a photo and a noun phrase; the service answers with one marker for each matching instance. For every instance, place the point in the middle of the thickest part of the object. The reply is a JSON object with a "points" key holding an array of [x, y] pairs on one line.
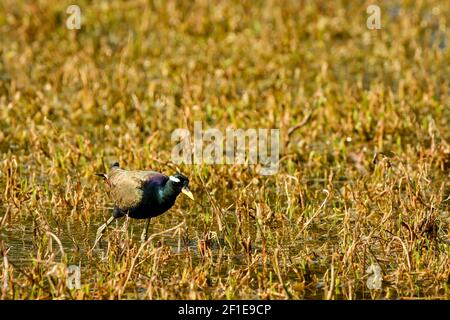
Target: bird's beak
{"points": [[187, 192]]}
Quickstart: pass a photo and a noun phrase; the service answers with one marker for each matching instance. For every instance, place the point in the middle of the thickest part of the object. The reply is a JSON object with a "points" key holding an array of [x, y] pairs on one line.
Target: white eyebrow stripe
{"points": [[174, 179]]}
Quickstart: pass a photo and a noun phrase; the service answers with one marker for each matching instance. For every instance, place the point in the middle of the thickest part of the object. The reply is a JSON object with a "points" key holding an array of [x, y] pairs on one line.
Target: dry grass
{"points": [[377, 141]]}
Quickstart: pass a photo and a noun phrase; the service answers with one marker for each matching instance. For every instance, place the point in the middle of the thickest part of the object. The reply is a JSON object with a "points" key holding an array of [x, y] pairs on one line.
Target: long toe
{"points": [[99, 232], [144, 236], [97, 240]]}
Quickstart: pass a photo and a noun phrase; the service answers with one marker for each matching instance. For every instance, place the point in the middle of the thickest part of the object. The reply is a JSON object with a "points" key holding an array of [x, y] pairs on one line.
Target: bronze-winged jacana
{"points": [[142, 194]]}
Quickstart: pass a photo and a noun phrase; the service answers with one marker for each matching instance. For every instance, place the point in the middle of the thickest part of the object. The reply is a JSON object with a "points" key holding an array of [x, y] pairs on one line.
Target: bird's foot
{"points": [[145, 231], [144, 236], [101, 231], [98, 237]]}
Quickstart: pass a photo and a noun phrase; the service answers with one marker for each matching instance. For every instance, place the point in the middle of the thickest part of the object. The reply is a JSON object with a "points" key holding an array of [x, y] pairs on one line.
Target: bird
{"points": [[141, 194]]}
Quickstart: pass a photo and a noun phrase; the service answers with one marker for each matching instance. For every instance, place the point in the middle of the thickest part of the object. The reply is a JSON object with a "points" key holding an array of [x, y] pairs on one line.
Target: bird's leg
{"points": [[102, 229], [144, 233]]}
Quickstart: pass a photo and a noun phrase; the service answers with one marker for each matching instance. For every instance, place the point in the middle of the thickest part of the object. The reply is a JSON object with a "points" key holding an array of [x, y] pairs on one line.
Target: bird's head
{"points": [[181, 182]]}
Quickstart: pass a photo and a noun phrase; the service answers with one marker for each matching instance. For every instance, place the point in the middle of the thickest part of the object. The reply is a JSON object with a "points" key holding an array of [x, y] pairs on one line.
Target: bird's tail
{"points": [[114, 165], [103, 175]]}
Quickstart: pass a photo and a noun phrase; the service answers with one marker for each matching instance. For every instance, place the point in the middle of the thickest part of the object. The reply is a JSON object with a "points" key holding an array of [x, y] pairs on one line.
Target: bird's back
{"points": [[129, 189]]}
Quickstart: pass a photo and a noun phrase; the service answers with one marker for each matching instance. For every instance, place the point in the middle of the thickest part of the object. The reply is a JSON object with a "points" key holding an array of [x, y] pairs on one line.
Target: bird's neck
{"points": [[169, 192]]}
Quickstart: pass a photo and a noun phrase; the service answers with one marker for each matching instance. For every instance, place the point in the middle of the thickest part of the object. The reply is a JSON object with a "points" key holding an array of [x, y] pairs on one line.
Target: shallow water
{"points": [[77, 238]]}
